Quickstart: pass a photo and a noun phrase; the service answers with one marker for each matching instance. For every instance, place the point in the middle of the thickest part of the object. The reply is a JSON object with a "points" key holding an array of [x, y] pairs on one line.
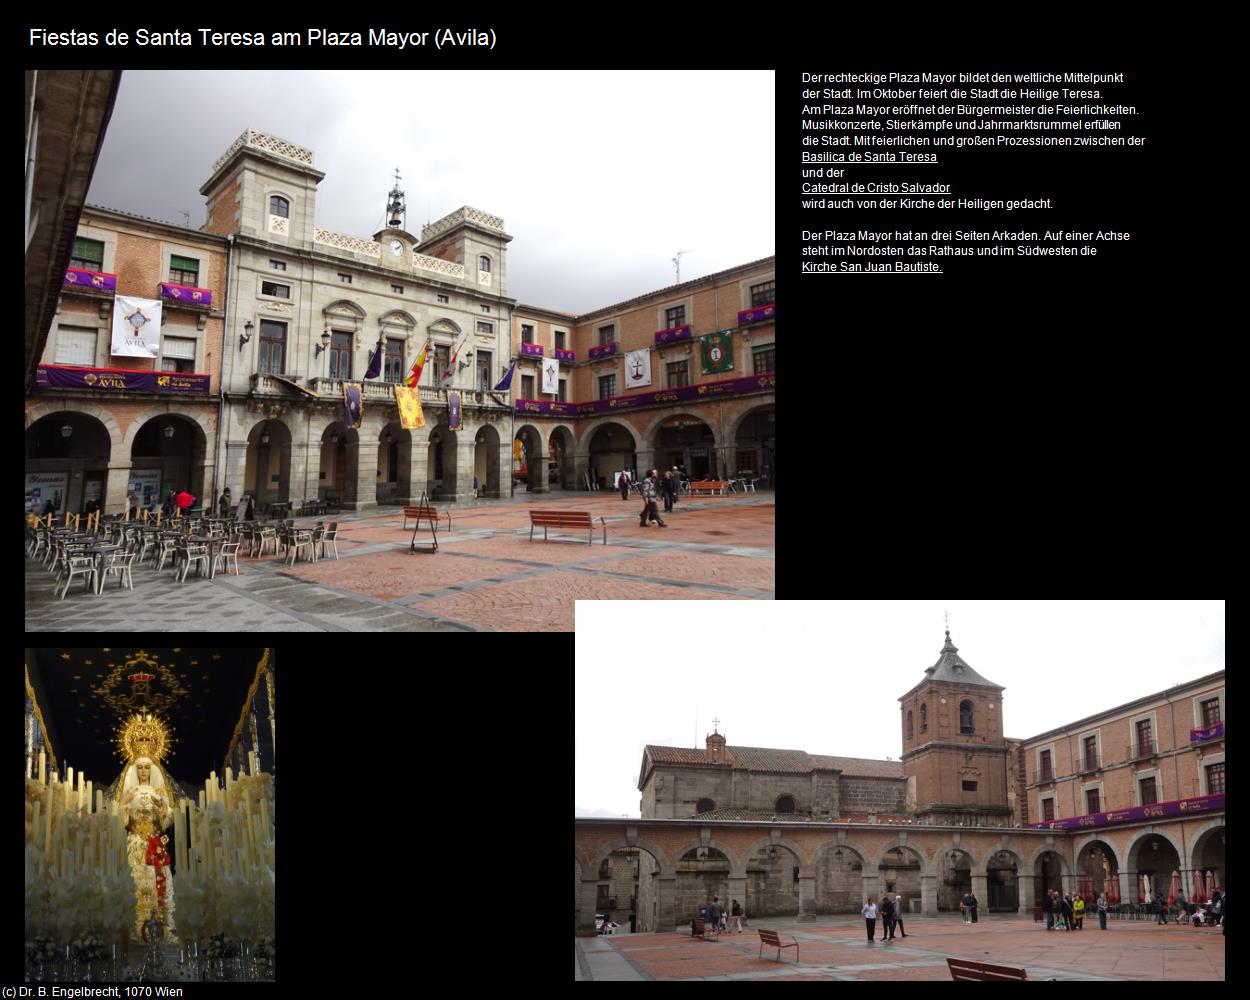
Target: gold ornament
{"points": [[144, 735]]}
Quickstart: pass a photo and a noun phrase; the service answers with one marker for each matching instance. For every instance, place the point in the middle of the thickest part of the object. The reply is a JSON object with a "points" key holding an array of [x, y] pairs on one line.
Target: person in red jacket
{"points": [[184, 500]]}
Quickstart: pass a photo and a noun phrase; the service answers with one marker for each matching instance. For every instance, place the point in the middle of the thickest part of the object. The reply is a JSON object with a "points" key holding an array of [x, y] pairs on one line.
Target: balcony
{"points": [[185, 295], [89, 282], [1047, 777], [1142, 750], [1089, 763]]}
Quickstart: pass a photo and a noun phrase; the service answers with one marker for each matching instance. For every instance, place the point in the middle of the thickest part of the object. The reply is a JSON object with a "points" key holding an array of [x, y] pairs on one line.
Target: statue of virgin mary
{"points": [[147, 803]]}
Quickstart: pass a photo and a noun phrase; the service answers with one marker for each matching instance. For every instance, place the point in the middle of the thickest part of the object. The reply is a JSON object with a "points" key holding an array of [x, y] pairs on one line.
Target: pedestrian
{"points": [[650, 509], [1163, 911], [870, 918], [667, 486], [1102, 911], [1069, 912], [1078, 911], [168, 507], [737, 915], [676, 484], [1061, 919], [1048, 907], [887, 920], [965, 907], [185, 500], [623, 483], [714, 912], [974, 906], [1217, 907], [225, 503], [898, 914]]}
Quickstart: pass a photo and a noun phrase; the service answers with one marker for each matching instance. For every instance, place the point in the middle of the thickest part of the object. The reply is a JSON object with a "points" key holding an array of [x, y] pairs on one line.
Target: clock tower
{"points": [[397, 242]]}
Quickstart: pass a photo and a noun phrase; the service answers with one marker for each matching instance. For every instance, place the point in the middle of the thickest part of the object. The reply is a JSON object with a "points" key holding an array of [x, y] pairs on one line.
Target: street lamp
{"points": [[246, 335]]}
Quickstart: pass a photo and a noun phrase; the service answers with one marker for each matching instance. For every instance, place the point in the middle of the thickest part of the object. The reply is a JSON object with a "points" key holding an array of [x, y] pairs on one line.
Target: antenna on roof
{"points": [[187, 216], [677, 263]]}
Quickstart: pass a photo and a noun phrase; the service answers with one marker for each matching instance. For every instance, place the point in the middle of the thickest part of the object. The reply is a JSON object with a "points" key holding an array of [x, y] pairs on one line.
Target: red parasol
{"points": [[1214, 884], [1174, 888]]}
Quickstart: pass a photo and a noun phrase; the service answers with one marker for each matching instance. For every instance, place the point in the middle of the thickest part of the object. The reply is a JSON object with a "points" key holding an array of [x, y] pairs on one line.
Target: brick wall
{"points": [[869, 795]]}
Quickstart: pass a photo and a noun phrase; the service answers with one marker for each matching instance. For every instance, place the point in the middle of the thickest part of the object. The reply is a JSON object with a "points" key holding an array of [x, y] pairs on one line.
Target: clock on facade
{"points": [[397, 248]]}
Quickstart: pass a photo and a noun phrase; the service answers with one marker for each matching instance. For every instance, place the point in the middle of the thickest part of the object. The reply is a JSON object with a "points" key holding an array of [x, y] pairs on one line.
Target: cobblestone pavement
{"points": [[836, 948], [486, 575]]}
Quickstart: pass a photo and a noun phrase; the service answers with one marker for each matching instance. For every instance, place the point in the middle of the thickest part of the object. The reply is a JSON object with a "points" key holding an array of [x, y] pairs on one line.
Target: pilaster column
{"points": [[418, 464], [586, 908], [1024, 886], [115, 488], [980, 887], [871, 887], [667, 893], [366, 470], [738, 891], [928, 895]]}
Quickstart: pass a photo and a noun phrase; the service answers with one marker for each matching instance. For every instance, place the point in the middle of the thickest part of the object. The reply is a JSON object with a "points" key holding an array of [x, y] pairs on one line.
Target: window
{"points": [[1048, 773], [178, 354], [88, 255], [1144, 744], [483, 359], [483, 264], [484, 327], [272, 345], [345, 279], [1148, 794], [397, 289], [75, 346], [564, 391], [1048, 810], [1091, 801], [607, 335], [560, 335], [443, 298], [924, 719], [340, 355], [678, 374], [441, 356], [607, 386], [527, 334], [1210, 713], [762, 295], [1215, 779], [785, 804], [965, 718], [527, 386], [394, 361], [674, 317], [184, 271], [278, 265], [909, 730], [970, 786], [765, 359], [274, 289], [1091, 753], [485, 309], [705, 806], [279, 206]]}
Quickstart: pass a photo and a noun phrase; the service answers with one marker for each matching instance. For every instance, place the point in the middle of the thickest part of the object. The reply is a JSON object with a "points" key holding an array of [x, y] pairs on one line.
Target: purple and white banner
{"points": [[643, 400], [120, 380], [1214, 733], [757, 315], [638, 368], [136, 327], [454, 416], [96, 281], [568, 356], [677, 333], [1159, 810], [551, 376], [603, 351], [532, 350], [185, 293]]}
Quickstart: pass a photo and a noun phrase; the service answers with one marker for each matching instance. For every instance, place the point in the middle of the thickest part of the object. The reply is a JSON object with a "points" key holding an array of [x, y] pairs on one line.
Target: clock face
{"points": [[397, 248]]}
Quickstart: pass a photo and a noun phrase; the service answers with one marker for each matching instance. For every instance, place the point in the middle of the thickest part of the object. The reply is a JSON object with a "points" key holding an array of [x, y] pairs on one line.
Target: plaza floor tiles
{"points": [[697, 567], [399, 573]]}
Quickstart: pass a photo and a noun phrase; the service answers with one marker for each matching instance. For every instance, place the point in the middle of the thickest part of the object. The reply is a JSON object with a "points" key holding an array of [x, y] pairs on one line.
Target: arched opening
{"points": [[755, 447], [900, 870], [67, 460], [528, 462], [1208, 858], [441, 463], [685, 440], [702, 874], [785, 804], [174, 447], [394, 476], [335, 473], [1152, 861], [560, 459], [705, 806], [909, 732], [954, 878], [611, 449], [1097, 871], [267, 475], [1002, 885], [772, 882], [965, 718], [839, 880], [1047, 875], [486, 462], [924, 718]]}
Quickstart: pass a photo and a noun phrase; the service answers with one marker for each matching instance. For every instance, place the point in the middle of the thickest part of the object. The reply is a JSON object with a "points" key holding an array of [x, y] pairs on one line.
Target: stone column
{"points": [[581, 465], [366, 469], [310, 482], [928, 895], [871, 887], [586, 911], [738, 891], [1024, 887], [667, 893], [807, 895], [1128, 892], [115, 488], [418, 465], [236, 467], [980, 887]]}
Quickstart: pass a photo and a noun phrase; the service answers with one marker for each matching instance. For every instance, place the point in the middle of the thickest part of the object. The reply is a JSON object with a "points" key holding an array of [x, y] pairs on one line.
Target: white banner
{"points": [[551, 376], [136, 327], [638, 368]]}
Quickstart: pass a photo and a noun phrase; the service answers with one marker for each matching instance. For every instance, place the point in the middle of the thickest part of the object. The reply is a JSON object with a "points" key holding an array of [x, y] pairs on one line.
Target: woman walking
{"points": [[870, 918]]}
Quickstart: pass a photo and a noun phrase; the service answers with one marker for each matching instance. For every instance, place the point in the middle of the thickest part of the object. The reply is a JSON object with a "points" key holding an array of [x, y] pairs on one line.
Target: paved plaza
{"points": [[486, 575], [836, 948]]}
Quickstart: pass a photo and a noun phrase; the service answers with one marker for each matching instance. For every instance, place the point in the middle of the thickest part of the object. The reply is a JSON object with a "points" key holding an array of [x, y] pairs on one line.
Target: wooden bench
{"points": [[966, 971], [714, 487], [428, 513], [771, 939], [566, 519]]}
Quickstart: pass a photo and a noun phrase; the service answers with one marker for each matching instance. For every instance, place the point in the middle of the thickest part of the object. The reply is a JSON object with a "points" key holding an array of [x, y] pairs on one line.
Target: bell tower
{"points": [[397, 242], [954, 754]]}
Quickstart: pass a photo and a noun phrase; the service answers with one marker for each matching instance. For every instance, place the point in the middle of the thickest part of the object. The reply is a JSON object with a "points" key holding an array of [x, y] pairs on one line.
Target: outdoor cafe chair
{"points": [[331, 536], [229, 552], [119, 563], [193, 553], [78, 565], [266, 535], [168, 544]]}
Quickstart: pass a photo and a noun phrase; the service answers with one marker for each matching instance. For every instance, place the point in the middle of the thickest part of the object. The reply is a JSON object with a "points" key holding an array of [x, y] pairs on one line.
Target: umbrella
{"points": [[1214, 884], [1144, 895], [1174, 888]]}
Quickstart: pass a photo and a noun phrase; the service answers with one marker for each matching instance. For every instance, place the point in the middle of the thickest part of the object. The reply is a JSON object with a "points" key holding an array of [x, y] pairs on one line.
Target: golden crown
{"points": [[144, 735]]}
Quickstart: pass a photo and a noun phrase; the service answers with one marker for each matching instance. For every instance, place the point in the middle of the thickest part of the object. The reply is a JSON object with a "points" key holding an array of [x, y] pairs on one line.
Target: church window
{"points": [[909, 732], [924, 719], [705, 806], [279, 206], [394, 361], [341, 355], [785, 804], [965, 718], [483, 264]]}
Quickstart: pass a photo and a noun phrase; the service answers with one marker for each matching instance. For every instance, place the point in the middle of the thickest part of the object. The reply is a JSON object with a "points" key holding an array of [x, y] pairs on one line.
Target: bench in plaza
{"points": [[966, 971], [701, 929], [427, 513], [712, 487], [771, 939], [566, 519]]}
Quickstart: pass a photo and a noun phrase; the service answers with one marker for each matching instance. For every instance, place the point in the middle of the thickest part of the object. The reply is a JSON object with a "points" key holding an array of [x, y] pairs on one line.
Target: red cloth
{"points": [[158, 859], [184, 499]]}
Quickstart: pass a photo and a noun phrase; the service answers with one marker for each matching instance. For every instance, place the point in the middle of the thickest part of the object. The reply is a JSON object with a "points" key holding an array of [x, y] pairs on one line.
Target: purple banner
{"points": [[665, 397], [1184, 807], [603, 351], [757, 315], [121, 380], [565, 355], [453, 412], [533, 350], [1216, 732], [677, 333], [96, 281], [184, 293]]}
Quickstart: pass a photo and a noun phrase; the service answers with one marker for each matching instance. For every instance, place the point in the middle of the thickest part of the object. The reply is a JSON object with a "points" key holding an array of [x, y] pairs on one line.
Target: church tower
{"points": [[954, 754]]}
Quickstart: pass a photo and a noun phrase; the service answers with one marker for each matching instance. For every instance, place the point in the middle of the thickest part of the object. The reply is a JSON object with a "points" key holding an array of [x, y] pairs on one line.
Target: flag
{"points": [[415, 375], [449, 375], [408, 400], [355, 405], [717, 352], [551, 376], [505, 383], [638, 368], [375, 363], [136, 327], [454, 421]]}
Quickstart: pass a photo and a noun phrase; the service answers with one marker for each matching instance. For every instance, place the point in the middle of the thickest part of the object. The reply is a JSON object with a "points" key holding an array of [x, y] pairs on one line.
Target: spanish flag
{"points": [[415, 375]]}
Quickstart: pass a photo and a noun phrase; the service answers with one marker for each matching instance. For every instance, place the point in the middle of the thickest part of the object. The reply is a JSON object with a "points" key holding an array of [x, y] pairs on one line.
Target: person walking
{"points": [[185, 500], [737, 915], [965, 907], [225, 503], [650, 504], [1069, 912], [898, 914], [870, 918], [1162, 906], [1048, 908], [887, 920], [1058, 907], [676, 483], [974, 906], [623, 483], [1078, 911], [715, 911], [1102, 911]]}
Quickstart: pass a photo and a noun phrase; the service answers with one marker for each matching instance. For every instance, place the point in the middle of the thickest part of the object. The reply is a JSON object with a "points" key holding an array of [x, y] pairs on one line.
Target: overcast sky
{"points": [[824, 677], [599, 177]]}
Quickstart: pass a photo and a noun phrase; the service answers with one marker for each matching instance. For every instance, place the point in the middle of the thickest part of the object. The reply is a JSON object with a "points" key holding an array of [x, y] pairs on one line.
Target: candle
{"points": [[43, 771], [47, 830], [264, 819], [208, 787], [201, 801], [69, 777]]}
